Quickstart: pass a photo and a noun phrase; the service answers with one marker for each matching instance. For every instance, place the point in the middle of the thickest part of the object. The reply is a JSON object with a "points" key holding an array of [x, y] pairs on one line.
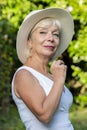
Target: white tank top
{"points": [[60, 120]]}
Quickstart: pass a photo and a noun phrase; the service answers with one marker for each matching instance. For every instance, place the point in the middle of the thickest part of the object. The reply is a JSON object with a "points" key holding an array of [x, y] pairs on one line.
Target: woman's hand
{"points": [[58, 70]]}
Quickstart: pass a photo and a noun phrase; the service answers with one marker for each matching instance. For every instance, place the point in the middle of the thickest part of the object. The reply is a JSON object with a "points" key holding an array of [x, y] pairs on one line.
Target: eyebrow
{"points": [[55, 30]]}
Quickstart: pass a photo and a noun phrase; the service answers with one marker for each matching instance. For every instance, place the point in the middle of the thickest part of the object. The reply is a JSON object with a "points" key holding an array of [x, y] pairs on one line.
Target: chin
{"points": [[50, 56]]}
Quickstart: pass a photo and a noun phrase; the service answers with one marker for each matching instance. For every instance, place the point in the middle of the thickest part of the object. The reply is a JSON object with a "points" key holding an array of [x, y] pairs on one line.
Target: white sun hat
{"points": [[66, 33]]}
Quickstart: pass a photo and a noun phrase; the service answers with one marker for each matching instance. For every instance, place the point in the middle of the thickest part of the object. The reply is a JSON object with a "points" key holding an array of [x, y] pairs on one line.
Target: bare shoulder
{"points": [[21, 78], [25, 77], [26, 83], [23, 74]]}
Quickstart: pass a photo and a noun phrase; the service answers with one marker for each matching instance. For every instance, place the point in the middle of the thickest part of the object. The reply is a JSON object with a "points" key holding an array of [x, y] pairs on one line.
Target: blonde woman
{"points": [[42, 99]]}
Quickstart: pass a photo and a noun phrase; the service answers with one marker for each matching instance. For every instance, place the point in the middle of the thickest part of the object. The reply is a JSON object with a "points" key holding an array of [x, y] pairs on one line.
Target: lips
{"points": [[49, 47]]}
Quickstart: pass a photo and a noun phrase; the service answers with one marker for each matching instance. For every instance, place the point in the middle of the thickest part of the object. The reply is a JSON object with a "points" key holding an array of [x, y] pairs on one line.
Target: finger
{"points": [[60, 62]]}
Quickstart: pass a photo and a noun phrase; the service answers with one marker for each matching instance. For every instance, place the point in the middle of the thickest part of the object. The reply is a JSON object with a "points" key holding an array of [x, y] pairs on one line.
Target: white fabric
{"points": [[60, 120]]}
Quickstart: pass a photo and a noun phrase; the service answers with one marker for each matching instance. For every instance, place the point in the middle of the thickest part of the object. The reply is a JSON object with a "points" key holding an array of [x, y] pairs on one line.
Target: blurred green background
{"points": [[12, 12]]}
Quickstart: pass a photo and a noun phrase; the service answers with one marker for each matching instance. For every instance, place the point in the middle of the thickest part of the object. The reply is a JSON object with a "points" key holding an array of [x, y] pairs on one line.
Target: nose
{"points": [[50, 36]]}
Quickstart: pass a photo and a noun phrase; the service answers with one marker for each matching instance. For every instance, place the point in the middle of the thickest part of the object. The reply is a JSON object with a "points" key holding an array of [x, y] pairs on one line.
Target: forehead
{"points": [[47, 22], [47, 28]]}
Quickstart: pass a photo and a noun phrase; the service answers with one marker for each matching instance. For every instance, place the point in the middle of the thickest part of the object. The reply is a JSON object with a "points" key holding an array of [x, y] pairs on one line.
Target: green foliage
{"points": [[81, 100], [79, 119], [6, 53], [11, 121], [78, 49]]}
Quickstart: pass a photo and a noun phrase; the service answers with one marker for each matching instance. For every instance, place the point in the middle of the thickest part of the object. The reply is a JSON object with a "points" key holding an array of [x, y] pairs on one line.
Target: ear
{"points": [[29, 43]]}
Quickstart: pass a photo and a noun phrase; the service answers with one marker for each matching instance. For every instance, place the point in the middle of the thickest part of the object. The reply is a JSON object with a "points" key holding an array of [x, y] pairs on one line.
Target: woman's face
{"points": [[44, 41]]}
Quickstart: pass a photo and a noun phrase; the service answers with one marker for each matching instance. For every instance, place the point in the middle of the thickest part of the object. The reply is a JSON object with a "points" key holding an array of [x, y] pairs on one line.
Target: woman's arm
{"points": [[27, 87]]}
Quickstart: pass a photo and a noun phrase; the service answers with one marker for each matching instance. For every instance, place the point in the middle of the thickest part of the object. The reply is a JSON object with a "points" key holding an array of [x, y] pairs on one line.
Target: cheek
{"points": [[37, 39], [57, 42]]}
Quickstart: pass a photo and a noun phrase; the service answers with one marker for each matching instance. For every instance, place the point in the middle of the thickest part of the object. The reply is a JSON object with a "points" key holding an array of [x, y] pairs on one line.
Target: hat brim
{"points": [[66, 34]]}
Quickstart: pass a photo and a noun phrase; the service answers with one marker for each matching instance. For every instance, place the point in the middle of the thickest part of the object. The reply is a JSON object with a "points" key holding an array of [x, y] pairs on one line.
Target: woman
{"points": [[42, 99]]}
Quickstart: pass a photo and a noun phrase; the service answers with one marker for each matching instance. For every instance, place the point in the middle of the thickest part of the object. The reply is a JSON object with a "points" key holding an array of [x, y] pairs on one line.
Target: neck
{"points": [[38, 64]]}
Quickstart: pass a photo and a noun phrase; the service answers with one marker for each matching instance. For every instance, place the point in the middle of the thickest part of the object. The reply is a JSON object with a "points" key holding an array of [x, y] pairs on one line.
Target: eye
{"points": [[56, 34], [42, 32]]}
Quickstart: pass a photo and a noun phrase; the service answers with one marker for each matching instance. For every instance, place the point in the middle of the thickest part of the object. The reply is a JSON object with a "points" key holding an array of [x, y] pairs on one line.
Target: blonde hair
{"points": [[45, 23]]}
